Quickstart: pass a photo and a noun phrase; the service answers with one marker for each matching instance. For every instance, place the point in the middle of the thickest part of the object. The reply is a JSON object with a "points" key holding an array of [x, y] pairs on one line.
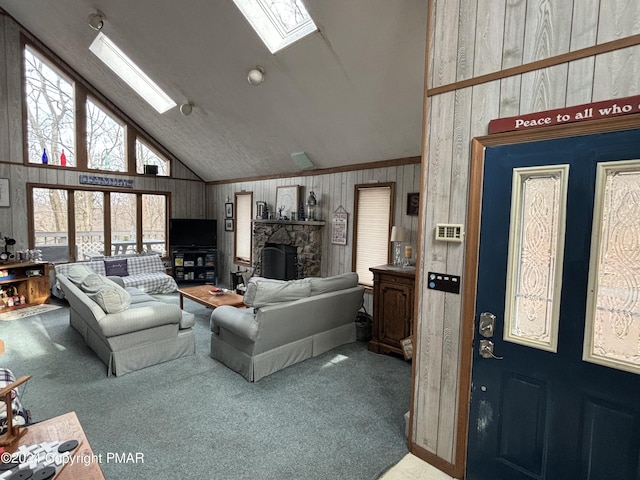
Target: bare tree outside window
{"points": [[50, 117]]}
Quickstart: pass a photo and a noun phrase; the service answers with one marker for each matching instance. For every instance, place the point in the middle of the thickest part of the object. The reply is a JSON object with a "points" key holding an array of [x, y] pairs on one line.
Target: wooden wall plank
{"points": [[443, 68], [522, 32]]}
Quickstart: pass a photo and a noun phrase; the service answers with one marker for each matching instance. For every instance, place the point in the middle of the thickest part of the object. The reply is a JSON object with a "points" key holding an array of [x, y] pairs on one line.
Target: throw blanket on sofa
{"points": [[145, 272]]}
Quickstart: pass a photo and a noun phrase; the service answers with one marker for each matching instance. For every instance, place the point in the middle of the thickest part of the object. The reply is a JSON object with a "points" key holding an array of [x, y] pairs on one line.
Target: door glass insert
{"points": [[536, 244], [612, 335]]}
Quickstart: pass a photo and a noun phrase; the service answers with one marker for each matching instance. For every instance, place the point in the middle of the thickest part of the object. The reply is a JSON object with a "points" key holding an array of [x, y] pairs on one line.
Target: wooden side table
{"points": [[63, 428], [393, 295]]}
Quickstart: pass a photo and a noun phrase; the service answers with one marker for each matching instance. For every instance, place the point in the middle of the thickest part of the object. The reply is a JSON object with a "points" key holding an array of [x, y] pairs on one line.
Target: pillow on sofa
{"points": [[266, 291], [333, 284], [116, 268], [78, 273], [111, 297]]}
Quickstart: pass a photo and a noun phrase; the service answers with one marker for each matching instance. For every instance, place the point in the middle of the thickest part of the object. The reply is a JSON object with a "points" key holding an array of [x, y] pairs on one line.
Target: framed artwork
{"points": [[286, 200], [413, 202], [260, 209], [228, 210], [228, 225], [4, 193]]}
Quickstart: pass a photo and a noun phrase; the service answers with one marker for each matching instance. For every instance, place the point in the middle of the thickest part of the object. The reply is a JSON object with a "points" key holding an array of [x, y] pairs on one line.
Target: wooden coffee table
{"points": [[201, 294]]}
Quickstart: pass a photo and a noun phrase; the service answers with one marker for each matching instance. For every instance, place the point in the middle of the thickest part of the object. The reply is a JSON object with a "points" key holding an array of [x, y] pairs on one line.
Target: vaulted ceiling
{"points": [[350, 93]]}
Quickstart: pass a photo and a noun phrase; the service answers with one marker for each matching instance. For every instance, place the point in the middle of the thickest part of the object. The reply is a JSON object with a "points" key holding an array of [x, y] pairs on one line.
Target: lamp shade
{"points": [[398, 234]]}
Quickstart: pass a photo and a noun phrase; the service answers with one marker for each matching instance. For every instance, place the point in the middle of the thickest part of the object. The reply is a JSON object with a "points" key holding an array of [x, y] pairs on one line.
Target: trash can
{"points": [[363, 326]]}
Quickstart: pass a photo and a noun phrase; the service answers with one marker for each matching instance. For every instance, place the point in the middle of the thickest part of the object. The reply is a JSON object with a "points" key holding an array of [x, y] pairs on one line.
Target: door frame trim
{"points": [[472, 235]]}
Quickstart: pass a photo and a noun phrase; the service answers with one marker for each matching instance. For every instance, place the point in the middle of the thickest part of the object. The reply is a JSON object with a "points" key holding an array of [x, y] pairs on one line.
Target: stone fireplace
{"points": [[305, 237]]}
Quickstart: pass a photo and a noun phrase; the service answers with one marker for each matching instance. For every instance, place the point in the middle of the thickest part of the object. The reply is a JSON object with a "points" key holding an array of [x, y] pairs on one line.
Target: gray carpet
{"points": [[337, 416]]}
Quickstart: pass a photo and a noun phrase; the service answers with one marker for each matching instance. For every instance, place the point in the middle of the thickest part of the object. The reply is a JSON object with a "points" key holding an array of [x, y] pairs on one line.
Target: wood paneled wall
{"points": [[470, 45], [332, 191], [187, 191]]}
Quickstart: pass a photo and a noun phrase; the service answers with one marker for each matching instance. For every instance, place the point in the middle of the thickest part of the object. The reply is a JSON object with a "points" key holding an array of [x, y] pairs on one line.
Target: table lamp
{"points": [[398, 236]]}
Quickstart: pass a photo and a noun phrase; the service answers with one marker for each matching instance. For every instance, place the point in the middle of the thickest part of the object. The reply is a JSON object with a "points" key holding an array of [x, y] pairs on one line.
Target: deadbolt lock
{"points": [[487, 324]]}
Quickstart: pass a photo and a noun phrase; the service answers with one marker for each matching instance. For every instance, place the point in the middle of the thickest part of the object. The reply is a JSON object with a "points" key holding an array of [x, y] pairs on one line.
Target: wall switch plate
{"points": [[443, 282]]}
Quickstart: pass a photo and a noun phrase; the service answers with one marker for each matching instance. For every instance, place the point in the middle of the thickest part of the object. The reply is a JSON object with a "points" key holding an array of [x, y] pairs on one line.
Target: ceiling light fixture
{"points": [[96, 20], [256, 75], [186, 108]]}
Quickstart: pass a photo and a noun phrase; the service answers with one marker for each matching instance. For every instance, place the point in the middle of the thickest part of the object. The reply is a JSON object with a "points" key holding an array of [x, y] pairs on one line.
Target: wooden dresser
{"points": [[393, 294]]}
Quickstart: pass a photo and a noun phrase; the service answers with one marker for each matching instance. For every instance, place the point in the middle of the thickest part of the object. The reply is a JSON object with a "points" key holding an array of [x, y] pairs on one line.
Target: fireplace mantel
{"points": [[306, 236], [289, 222]]}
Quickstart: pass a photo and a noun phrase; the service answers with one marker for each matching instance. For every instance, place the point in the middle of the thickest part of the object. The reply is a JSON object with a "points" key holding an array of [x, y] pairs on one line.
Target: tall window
{"points": [[154, 223], [243, 231], [49, 217], [89, 215], [123, 223], [373, 219], [50, 112]]}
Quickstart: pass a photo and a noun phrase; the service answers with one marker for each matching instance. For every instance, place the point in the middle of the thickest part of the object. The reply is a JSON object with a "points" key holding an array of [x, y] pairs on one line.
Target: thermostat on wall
{"points": [[449, 232]]}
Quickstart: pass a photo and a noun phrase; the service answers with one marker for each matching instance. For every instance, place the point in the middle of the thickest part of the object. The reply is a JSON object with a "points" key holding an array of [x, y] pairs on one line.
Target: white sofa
{"points": [[144, 272], [286, 322], [127, 328]]}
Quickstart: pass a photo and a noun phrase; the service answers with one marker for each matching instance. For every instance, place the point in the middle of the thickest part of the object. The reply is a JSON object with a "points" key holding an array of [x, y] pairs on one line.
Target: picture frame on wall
{"points": [[413, 203], [228, 225], [228, 210], [4, 193], [287, 199]]}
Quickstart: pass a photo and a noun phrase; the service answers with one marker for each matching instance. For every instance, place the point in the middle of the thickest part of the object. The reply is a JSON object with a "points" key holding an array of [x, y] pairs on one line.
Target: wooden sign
{"points": [[579, 113]]}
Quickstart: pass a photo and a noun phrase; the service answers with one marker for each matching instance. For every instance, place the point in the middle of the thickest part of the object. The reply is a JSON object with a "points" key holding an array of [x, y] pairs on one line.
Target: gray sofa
{"points": [[144, 272], [127, 328], [286, 322]]}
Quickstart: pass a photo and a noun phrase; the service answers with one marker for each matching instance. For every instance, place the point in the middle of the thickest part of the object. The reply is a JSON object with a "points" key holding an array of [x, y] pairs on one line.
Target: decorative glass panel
{"points": [[613, 316], [536, 244]]}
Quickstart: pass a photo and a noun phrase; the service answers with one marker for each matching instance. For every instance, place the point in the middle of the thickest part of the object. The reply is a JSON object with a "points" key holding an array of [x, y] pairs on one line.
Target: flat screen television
{"points": [[191, 232]]}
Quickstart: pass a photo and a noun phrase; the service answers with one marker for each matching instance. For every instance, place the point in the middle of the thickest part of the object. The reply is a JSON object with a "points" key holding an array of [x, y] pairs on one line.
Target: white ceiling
{"points": [[350, 93]]}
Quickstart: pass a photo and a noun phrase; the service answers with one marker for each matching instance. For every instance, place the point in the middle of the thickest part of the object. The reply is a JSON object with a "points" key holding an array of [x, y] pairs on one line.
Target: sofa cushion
{"points": [[333, 284], [78, 273], [116, 267], [111, 297], [266, 291]]}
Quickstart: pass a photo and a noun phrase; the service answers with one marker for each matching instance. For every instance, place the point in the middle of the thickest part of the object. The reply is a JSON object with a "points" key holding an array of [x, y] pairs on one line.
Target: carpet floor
{"points": [[336, 416]]}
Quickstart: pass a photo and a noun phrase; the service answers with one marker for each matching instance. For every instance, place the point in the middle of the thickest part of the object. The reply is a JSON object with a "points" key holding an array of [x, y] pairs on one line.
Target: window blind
{"points": [[372, 230], [243, 227]]}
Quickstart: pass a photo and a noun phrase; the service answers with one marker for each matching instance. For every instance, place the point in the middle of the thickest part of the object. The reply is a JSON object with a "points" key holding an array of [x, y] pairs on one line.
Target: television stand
{"points": [[195, 264]]}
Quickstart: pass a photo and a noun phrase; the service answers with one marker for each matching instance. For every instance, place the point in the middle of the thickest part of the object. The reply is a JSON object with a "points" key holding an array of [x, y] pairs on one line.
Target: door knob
{"points": [[486, 350], [487, 324]]}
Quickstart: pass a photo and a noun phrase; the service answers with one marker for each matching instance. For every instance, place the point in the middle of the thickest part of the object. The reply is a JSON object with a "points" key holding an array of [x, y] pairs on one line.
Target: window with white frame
{"points": [[243, 230], [373, 219]]}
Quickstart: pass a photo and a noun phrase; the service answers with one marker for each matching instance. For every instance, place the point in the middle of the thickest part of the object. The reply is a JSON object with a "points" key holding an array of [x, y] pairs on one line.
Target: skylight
{"points": [[127, 70], [278, 23]]}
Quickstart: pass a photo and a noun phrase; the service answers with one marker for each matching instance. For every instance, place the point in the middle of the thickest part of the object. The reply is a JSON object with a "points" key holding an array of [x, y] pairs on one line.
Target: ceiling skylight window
{"points": [[127, 70], [278, 23]]}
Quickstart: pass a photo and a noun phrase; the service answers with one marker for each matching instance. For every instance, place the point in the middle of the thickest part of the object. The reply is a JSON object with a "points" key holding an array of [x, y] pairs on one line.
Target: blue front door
{"points": [[544, 404]]}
